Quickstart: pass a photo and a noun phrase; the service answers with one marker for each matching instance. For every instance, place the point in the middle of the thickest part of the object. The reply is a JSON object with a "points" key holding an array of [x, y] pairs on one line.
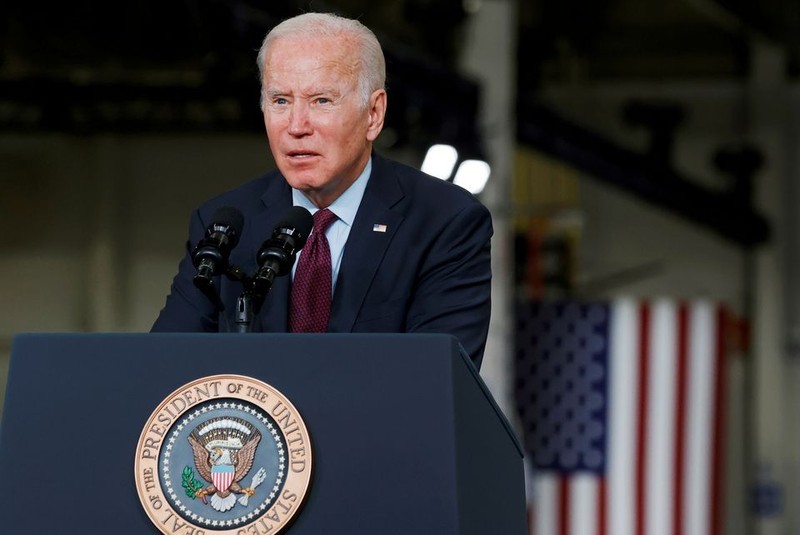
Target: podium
{"points": [[405, 436]]}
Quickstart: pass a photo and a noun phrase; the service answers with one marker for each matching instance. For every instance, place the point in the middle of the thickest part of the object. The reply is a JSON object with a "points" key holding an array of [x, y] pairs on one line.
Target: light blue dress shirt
{"points": [[345, 208]]}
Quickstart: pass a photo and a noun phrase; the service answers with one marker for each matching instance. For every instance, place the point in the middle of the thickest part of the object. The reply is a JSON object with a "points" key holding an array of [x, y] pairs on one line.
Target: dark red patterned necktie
{"points": [[310, 302]]}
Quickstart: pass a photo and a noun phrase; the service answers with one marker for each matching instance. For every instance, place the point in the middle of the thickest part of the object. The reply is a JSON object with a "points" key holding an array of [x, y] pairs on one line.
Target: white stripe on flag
{"points": [[624, 376], [583, 513], [699, 431], [546, 505], [660, 418]]}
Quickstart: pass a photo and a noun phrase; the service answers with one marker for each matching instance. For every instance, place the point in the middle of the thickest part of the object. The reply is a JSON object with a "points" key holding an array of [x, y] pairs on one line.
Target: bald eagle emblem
{"points": [[224, 449]]}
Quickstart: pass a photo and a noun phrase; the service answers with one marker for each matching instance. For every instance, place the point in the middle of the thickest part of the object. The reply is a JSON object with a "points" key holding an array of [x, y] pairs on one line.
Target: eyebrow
{"points": [[313, 93], [274, 93], [325, 91]]}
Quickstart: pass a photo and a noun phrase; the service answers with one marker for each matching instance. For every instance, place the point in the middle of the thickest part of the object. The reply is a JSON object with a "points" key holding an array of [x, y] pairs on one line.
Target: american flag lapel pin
{"points": [[378, 228]]}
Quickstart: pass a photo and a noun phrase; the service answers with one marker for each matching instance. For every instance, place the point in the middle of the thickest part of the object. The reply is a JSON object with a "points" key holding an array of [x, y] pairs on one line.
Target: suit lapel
{"points": [[373, 229], [277, 200]]}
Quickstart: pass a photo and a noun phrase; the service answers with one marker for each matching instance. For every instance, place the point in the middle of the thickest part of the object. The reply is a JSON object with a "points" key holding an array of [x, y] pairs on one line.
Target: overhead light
{"points": [[472, 175], [440, 161]]}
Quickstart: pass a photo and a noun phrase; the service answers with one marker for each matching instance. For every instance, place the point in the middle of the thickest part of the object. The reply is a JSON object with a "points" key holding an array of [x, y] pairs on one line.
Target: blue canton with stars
{"points": [[561, 390]]}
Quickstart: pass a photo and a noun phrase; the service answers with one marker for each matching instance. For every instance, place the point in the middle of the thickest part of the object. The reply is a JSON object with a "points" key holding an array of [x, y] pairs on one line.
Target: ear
{"points": [[376, 114]]}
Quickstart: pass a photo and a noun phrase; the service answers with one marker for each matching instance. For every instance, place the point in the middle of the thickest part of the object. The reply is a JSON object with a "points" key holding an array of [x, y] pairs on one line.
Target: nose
{"points": [[299, 123]]}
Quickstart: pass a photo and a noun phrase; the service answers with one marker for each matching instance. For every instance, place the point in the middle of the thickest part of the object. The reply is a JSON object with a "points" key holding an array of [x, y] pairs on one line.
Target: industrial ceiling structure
{"points": [[657, 39], [151, 66], [154, 65], [578, 42], [51, 51]]}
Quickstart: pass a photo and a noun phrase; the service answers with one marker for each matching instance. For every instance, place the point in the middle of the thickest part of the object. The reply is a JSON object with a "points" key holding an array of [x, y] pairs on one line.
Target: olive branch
{"points": [[189, 483]]}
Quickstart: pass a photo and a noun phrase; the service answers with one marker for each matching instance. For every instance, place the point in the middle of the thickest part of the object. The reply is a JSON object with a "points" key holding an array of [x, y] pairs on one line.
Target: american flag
{"points": [[621, 404]]}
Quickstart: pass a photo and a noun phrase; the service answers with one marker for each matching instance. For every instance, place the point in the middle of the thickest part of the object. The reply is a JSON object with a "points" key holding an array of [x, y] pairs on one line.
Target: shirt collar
{"points": [[346, 205]]}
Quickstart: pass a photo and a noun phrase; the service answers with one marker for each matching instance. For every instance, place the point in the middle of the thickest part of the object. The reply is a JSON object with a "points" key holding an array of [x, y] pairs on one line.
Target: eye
{"points": [[280, 101], [323, 100]]}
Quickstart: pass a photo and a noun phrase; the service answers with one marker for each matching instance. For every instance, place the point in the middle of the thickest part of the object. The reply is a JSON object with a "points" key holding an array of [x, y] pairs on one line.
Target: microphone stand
{"points": [[248, 304], [244, 313]]}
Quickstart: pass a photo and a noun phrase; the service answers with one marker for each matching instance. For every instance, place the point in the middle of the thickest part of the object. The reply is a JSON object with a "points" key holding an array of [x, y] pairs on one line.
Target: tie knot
{"points": [[322, 220]]}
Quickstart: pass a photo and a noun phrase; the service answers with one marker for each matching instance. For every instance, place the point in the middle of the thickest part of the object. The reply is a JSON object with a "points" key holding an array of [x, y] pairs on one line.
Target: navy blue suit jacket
{"points": [[428, 272]]}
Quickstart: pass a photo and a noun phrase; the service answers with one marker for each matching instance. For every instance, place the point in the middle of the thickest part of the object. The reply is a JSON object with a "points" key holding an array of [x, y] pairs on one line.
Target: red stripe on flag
{"points": [[531, 524], [720, 392], [641, 439], [680, 419], [563, 505], [602, 506]]}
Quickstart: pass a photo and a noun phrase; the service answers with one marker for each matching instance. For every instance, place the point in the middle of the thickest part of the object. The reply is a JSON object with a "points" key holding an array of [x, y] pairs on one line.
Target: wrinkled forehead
{"points": [[335, 56]]}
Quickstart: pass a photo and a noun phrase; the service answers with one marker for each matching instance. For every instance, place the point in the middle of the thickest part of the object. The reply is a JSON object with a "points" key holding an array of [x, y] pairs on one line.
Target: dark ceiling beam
{"points": [[726, 213], [52, 105], [429, 103]]}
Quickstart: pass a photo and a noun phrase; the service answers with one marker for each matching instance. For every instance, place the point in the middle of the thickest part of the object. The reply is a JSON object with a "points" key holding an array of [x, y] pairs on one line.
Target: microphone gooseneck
{"points": [[210, 255], [277, 255]]}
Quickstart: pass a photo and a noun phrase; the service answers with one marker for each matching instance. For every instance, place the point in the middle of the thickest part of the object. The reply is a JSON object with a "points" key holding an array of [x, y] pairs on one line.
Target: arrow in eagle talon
{"points": [[259, 478]]}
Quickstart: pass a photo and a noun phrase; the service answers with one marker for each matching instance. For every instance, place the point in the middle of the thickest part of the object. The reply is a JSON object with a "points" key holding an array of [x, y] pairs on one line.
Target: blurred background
{"points": [[643, 189]]}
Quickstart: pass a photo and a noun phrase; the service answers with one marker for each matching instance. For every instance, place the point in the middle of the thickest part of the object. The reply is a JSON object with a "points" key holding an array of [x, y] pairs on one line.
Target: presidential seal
{"points": [[224, 454]]}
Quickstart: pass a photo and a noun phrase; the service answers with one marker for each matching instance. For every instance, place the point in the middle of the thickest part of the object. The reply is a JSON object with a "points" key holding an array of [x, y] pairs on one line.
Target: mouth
{"points": [[300, 154]]}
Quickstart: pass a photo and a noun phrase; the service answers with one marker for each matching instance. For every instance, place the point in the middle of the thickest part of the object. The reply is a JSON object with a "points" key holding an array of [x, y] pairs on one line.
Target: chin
{"points": [[303, 184], [296, 179]]}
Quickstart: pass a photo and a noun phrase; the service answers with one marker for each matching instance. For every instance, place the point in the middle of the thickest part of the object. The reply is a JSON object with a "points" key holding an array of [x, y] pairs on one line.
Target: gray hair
{"points": [[371, 67]]}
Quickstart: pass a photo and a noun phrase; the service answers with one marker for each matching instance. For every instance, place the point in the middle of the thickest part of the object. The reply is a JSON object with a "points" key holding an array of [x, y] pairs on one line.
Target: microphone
{"points": [[210, 255], [277, 254]]}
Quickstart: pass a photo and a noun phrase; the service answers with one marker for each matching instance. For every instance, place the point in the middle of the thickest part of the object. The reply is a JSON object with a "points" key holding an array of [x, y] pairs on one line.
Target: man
{"points": [[408, 253]]}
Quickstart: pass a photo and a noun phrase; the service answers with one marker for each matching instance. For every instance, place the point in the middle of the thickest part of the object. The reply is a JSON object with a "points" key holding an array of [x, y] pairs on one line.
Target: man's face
{"points": [[319, 131]]}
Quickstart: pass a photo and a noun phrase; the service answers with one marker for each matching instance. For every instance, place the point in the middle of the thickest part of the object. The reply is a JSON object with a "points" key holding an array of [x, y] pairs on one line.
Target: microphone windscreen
{"points": [[299, 219], [222, 235], [229, 216]]}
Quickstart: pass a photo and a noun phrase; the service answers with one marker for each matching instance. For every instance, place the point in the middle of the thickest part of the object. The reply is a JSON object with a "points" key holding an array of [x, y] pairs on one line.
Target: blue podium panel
{"points": [[405, 436]]}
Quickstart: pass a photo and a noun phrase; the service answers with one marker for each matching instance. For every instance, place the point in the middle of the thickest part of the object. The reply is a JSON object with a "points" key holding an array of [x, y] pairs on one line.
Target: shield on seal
{"points": [[222, 476]]}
